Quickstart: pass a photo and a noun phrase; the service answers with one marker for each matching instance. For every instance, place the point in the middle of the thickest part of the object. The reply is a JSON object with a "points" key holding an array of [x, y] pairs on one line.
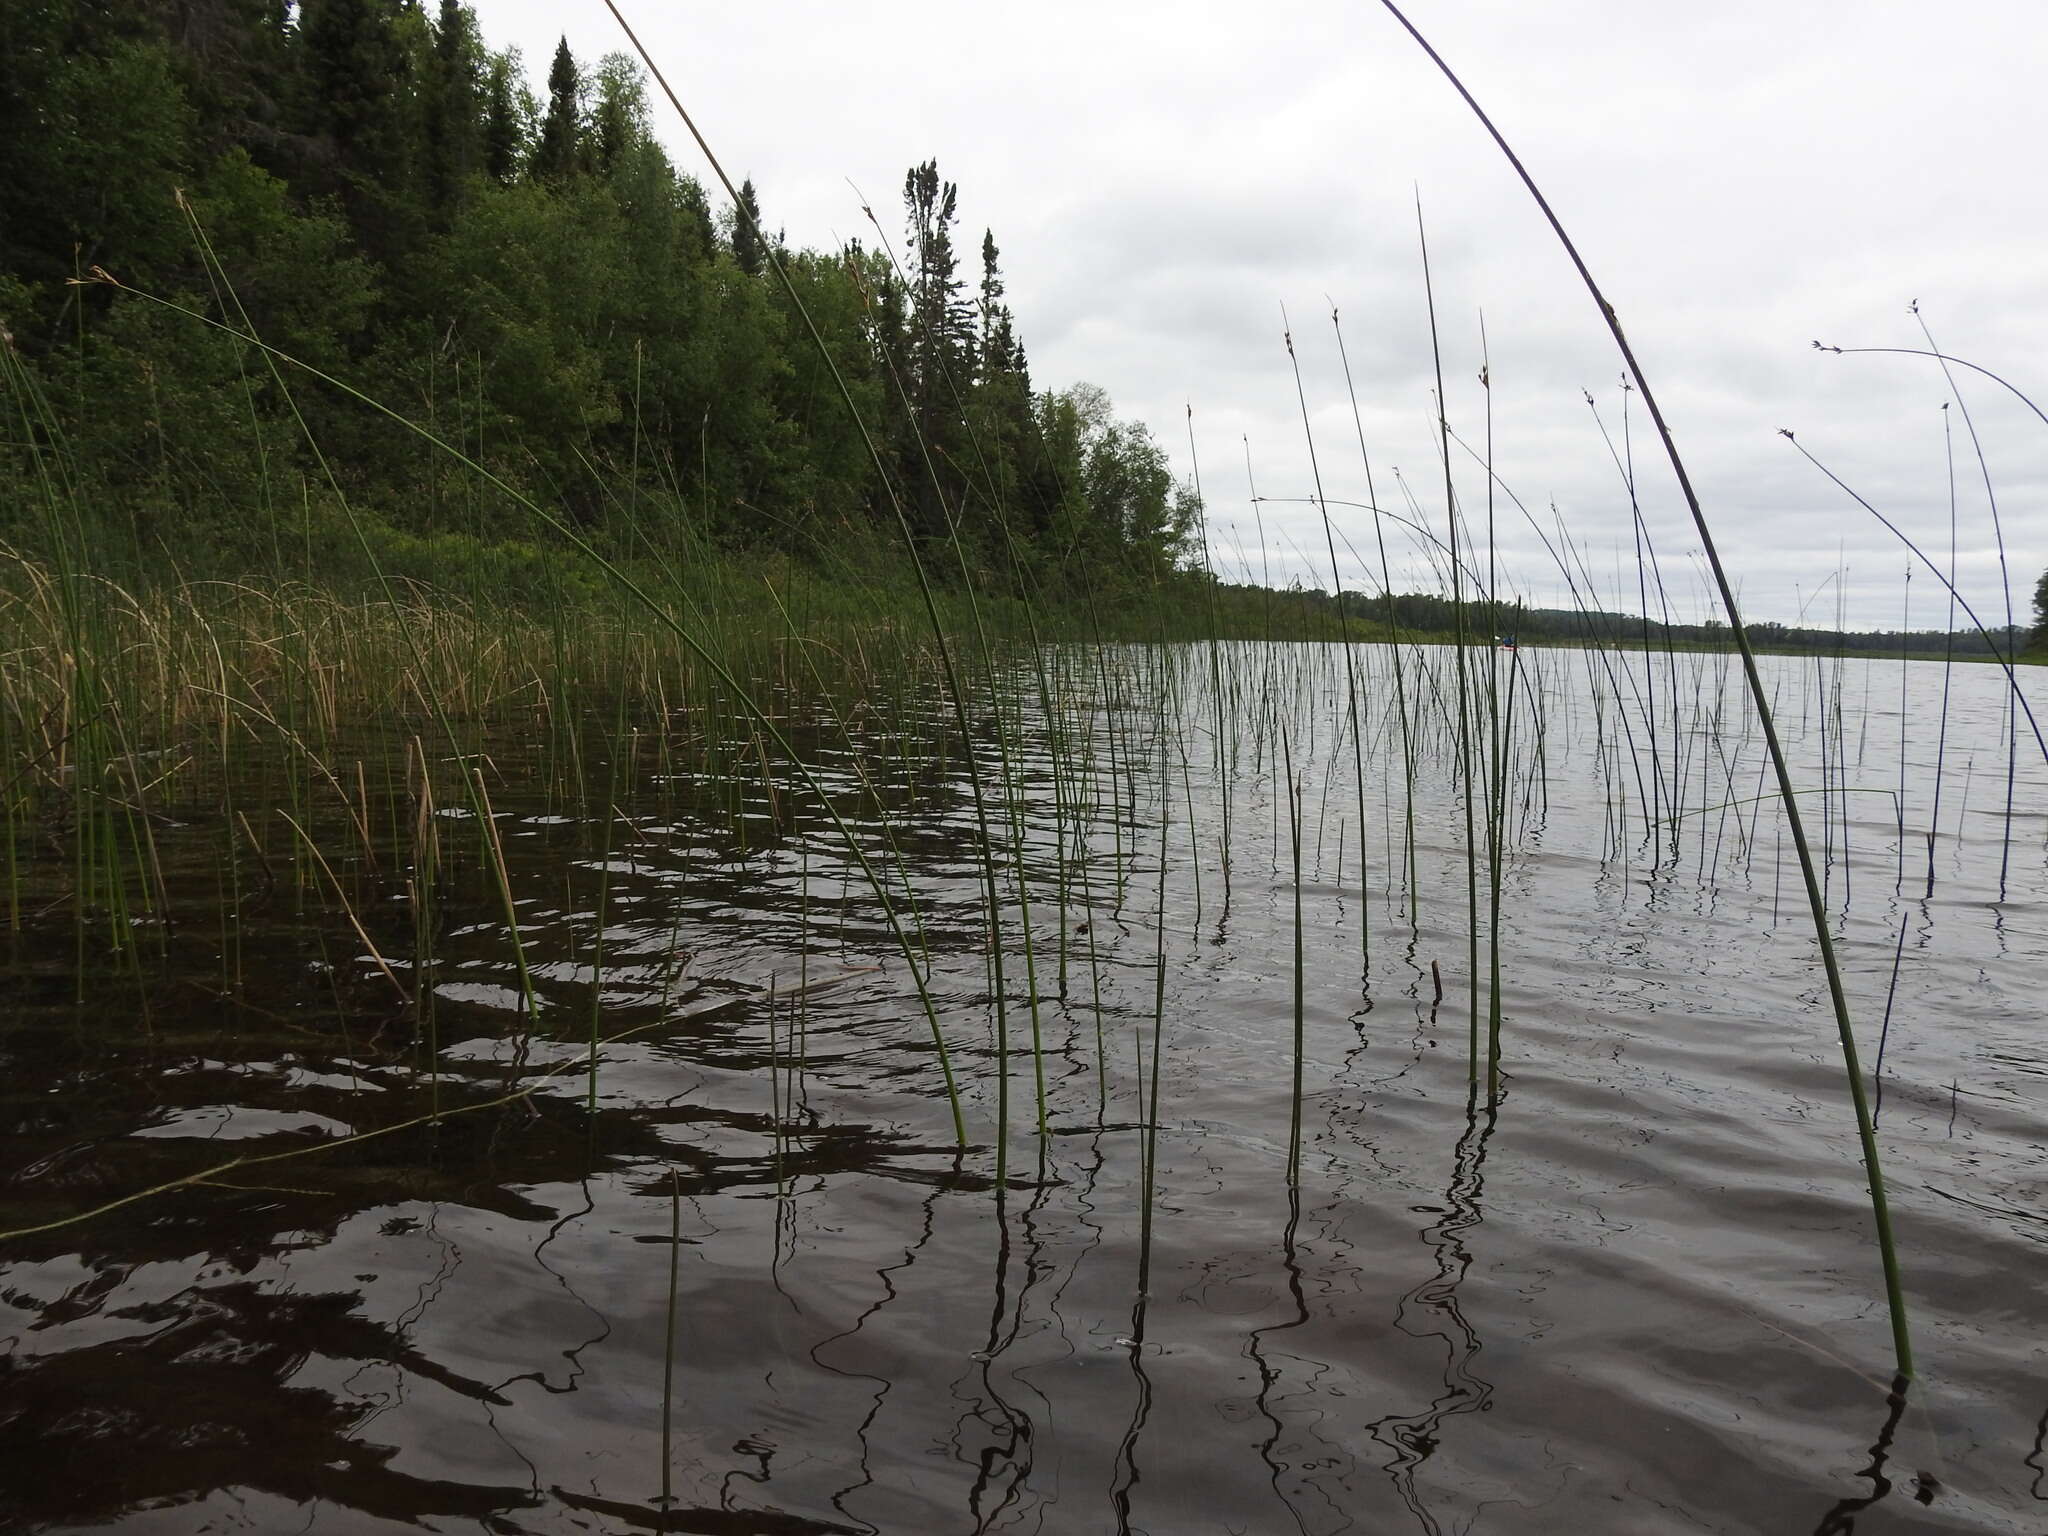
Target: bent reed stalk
{"points": [[1902, 1345]]}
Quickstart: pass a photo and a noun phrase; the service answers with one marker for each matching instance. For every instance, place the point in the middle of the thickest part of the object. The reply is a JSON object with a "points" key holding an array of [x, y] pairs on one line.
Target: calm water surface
{"points": [[745, 1281]]}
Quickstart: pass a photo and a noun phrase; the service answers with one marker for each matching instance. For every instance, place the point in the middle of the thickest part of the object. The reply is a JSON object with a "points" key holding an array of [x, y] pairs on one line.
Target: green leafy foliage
{"points": [[367, 187]]}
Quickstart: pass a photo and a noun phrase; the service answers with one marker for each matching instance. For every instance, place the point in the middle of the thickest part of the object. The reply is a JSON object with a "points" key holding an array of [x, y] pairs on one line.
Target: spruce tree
{"points": [[557, 156], [453, 125], [939, 315], [941, 347], [999, 346], [748, 243], [353, 66]]}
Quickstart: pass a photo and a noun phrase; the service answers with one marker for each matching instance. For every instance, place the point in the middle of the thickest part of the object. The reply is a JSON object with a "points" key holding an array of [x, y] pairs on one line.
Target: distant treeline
{"points": [[1435, 616], [370, 187]]}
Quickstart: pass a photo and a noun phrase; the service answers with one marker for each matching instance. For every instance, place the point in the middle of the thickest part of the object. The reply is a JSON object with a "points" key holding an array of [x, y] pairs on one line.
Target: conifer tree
{"points": [[748, 243], [501, 131], [453, 124], [353, 68], [998, 350], [939, 317], [557, 155], [940, 351]]}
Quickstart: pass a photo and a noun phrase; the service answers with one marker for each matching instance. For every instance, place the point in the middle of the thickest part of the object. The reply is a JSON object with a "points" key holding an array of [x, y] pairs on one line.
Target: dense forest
{"points": [[515, 264], [369, 187]]}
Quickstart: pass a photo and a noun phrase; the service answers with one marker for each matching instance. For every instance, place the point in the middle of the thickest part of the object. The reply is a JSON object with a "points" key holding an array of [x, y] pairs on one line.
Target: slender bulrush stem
{"points": [[1299, 970], [2005, 591], [1467, 786], [1393, 637], [1866, 1133], [1149, 1191], [1948, 658], [1225, 743], [1344, 640]]}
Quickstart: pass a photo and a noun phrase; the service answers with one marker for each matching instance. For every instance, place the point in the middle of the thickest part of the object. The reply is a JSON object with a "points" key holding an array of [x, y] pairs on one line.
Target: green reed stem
{"points": [[1468, 784], [1300, 969], [1866, 1133]]}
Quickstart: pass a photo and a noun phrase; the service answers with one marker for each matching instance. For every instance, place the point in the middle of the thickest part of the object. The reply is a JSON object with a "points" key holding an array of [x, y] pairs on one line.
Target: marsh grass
{"points": [[322, 734]]}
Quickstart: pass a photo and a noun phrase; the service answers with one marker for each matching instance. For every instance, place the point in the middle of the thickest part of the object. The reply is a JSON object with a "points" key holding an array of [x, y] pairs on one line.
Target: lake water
{"points": [[745, 1281]]}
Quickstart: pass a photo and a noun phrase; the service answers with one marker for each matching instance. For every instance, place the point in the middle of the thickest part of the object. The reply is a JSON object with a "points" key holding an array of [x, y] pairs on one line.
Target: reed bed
{"points": [[1037, 821]]}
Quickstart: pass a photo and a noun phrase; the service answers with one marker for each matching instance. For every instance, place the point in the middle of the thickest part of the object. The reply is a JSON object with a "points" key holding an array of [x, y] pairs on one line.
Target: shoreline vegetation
{"points": [[546, 311], [560, 486], [519, 302]]}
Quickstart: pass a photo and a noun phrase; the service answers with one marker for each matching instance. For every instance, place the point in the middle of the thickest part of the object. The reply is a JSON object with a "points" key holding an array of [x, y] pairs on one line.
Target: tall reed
{"points": [[1866, 1134]]}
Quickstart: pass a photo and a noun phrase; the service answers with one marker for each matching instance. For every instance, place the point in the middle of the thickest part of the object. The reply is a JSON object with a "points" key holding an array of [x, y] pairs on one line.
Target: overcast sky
{"points": [[1743, 177]]}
